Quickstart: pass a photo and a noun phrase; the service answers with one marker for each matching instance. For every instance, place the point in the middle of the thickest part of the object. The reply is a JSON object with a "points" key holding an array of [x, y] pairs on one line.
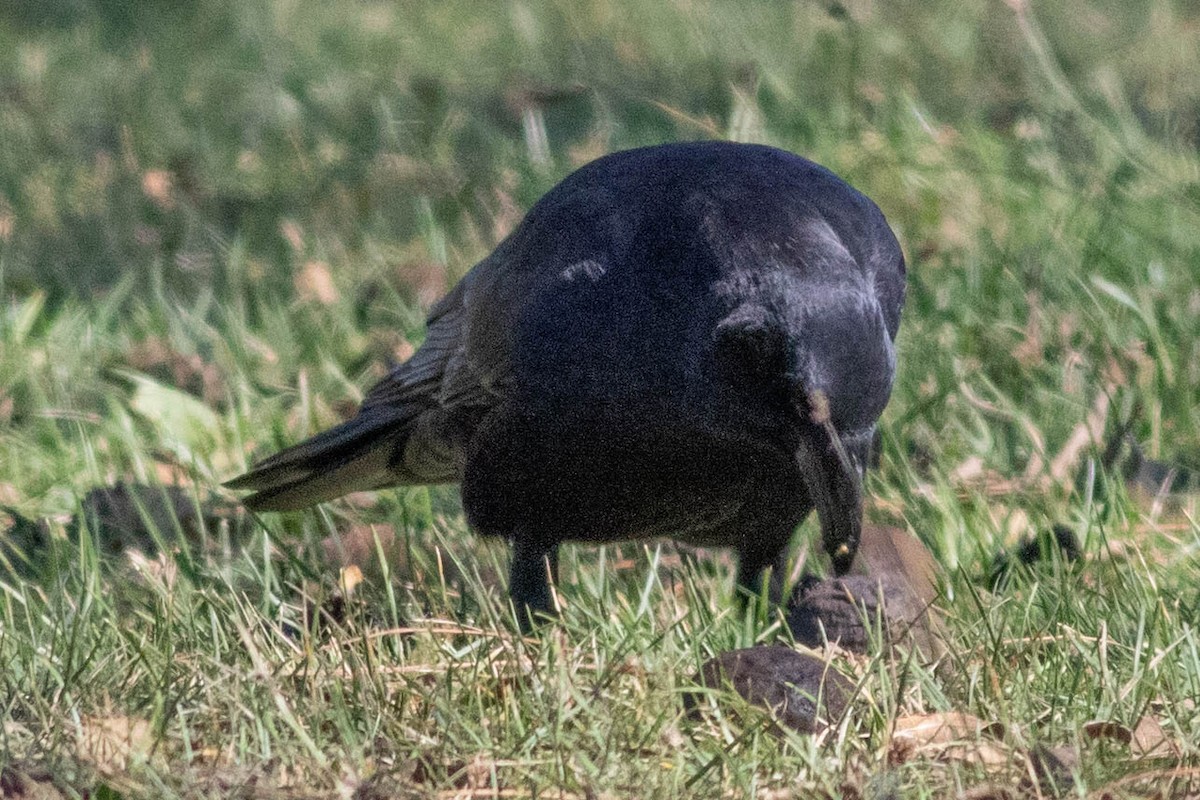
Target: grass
{"points": [[220, 221]]}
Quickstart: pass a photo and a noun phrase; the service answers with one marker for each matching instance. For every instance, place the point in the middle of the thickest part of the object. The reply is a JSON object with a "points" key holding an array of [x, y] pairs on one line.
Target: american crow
{"points": [[689, 340]]}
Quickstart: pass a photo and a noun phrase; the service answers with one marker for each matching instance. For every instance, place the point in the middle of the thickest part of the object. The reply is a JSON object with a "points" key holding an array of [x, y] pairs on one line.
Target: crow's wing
{"points": [[889, 273], [409, 429]]}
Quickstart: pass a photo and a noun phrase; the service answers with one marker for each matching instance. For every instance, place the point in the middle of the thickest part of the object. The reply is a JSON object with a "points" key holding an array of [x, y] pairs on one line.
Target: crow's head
{"points": [[822, 359]]}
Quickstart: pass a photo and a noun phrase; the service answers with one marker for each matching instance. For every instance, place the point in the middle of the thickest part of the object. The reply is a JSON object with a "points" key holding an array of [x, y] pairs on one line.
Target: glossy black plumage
{"points": [[665, 346]]}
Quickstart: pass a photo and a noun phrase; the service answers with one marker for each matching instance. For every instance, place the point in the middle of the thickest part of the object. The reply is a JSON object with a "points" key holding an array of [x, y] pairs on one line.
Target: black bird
{"points": [[689, 340]]}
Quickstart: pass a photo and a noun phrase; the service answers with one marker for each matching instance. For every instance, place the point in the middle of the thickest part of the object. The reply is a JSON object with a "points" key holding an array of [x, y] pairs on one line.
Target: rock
{"points": [[845, 611], [135, 515], [1055, 769], [804, 693]]}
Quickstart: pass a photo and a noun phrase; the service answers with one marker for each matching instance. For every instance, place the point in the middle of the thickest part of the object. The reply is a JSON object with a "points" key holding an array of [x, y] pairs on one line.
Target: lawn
{"points": [[222, 220]]}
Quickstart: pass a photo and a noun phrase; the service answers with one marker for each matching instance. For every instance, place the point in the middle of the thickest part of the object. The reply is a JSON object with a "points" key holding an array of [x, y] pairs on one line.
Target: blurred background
{"points": [[151, 138], [257, 199]]}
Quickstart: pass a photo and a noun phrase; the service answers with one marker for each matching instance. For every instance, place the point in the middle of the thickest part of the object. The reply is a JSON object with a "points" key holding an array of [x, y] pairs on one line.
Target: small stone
{"points": [[845, 610], [805, 693]]}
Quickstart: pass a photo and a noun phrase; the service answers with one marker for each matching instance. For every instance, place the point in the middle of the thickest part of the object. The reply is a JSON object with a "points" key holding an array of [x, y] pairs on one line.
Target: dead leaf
{"points": [[945, 727], [948, 736], [160, 570], [1175, 783], [1149, 740], [169, 474], [7, 222], [389, 346], [968, 471], [403, 351], [111, 744], [293, 234], [1031, 351], [471, 777], [1104, 730]]}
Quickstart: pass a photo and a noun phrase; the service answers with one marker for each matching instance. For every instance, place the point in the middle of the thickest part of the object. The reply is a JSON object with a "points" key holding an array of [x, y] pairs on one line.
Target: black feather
{"points": [[693, 340]]}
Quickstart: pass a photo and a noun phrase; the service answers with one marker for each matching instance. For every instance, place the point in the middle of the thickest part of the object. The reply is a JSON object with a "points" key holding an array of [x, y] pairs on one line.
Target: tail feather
{"points": [[354, 456]]}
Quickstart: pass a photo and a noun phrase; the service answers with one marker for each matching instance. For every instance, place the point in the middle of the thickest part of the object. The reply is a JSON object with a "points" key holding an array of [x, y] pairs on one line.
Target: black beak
{"points": [[834, 484]]}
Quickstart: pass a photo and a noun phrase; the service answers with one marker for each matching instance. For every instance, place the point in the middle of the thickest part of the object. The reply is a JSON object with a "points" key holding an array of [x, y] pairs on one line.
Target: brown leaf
{"points": [[7, 222], [293, 234], [1175, 783], [1149, 740], [389, 346], [349, 578], [1031, 351], [944, 727], [968, 471], [1100, 729], [471, 776], [112, 743], [948, 736], [1086, 434]]}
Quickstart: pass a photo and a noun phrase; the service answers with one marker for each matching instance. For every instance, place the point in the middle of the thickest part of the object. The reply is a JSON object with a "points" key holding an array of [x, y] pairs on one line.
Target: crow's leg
{"points": [[533, 566], [749, 576], [767, 548]]}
